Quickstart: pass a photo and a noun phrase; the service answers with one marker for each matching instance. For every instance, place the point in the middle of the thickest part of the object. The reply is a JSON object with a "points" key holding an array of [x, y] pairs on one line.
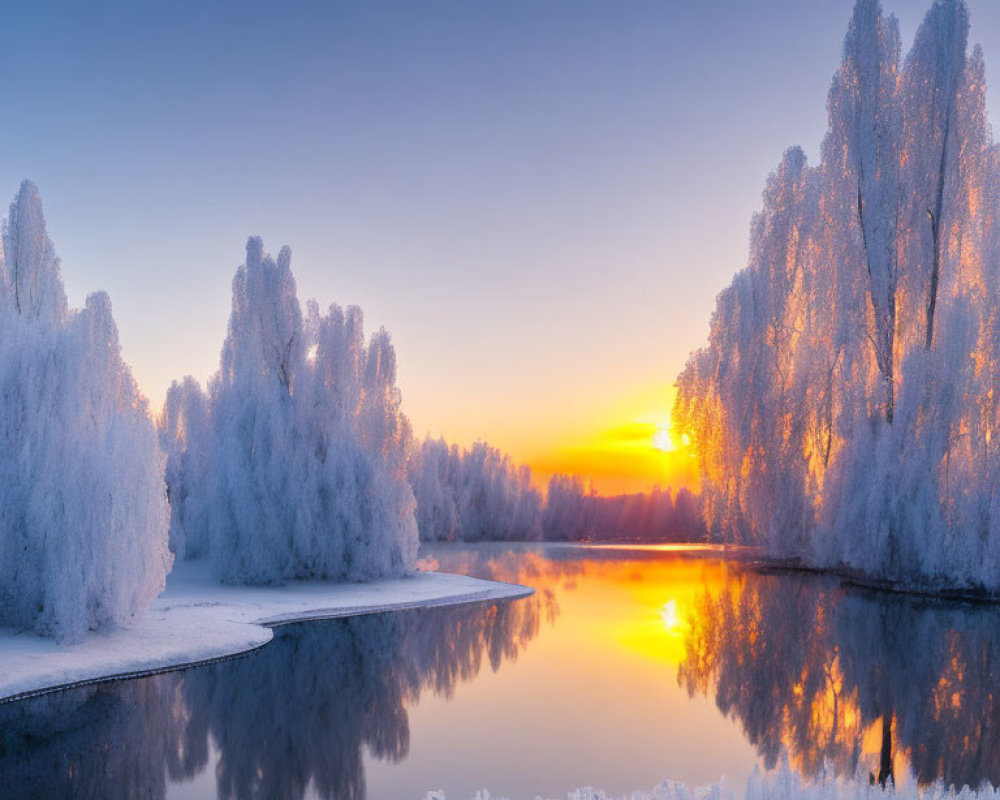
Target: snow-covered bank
{"points": [[781, 784], [197, 619]]}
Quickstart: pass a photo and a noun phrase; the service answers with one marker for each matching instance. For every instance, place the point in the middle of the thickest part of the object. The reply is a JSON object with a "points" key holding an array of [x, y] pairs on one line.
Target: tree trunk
{"points": [[885, 756], [935, 217]]}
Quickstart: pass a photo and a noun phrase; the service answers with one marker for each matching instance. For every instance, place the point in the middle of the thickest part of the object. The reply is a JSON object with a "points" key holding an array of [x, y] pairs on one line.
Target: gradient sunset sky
{"points": [[540, 200]]}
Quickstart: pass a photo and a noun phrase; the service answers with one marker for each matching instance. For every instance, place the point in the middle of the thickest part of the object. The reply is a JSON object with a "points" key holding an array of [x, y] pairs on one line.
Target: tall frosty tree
{"points": [[848, 417], [931, 85], [183, 427], [302, 470], [253, 516], [873, 120], [31, 269], [83, 513]]}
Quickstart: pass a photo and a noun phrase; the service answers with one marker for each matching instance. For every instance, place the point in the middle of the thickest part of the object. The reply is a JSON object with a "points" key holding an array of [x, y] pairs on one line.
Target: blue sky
{"points": [[540, 200]]}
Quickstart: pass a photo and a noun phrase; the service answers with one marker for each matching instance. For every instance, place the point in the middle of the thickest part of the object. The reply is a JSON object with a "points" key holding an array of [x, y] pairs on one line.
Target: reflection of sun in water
{"points": [[311, 353]]}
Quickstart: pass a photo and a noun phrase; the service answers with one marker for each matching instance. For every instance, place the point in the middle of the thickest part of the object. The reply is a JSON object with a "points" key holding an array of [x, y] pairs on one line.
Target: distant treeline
{"points": [[655, 516], [480, 494]]}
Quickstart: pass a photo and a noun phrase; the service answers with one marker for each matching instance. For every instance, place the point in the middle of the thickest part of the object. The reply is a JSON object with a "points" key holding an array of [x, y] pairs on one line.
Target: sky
{"points": [[539, 200]]}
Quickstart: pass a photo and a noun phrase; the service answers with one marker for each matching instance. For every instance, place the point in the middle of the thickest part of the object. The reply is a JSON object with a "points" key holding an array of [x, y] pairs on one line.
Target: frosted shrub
{"points": [[302, 470], [83, 512], [779, 784]]}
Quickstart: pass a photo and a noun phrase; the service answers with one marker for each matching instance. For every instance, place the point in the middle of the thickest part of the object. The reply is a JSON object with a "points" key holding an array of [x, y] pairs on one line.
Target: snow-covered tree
{"points": [[434, 469], [931, 84], [184, 432], [566, 516], [253, 526], [302, 470], [480, 494], [83, 512], [473, 495], [844, 410]]}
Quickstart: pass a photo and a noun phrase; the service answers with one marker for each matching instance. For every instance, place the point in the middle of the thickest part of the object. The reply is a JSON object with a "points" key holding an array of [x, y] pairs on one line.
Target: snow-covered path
{"points": [[197, 619]]}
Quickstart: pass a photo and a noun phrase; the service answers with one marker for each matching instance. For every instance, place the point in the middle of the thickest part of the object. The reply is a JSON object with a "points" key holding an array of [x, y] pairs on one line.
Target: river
{"points": [[625, 668]]}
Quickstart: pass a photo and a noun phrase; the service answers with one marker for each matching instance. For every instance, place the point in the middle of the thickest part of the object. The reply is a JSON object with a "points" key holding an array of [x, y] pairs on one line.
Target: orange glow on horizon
{"points": [[636, 451]]}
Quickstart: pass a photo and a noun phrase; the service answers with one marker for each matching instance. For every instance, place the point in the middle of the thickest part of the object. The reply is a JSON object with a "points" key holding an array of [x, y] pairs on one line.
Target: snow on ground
{"points": [[783, 783], [196, 619]]}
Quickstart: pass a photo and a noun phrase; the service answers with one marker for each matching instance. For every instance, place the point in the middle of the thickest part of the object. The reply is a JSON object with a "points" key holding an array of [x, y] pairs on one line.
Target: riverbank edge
{"points": [[859, 581], [197, 621]]}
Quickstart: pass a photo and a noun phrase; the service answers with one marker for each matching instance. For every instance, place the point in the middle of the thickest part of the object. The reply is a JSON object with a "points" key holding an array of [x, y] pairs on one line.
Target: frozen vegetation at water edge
{"points": [[781, 784], [845, 409]]}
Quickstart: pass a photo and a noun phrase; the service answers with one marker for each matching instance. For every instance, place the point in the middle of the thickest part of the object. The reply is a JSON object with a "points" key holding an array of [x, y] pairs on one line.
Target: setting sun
{"points": [[661, 439], [634, 451]]}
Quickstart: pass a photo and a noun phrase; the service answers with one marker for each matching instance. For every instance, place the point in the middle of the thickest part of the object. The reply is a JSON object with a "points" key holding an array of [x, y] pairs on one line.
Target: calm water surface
{"points": [[625, 668]]}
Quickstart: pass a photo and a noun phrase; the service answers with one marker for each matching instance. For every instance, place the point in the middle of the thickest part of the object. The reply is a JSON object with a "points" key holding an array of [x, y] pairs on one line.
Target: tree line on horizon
{"points": [[479, 493]]}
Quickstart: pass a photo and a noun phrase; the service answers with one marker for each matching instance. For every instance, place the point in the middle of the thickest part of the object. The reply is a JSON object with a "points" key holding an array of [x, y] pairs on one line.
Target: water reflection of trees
{"points": [[300, 712], [850, 679], [544, 568], [112, 740]]}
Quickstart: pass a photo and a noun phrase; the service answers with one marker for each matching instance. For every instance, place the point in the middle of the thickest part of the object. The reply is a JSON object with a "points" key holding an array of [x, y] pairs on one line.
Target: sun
{"points": [[662, 440]]}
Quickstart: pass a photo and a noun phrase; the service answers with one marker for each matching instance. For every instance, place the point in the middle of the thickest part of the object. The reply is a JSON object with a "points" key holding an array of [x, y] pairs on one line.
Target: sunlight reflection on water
{"points": [[625, 668]]}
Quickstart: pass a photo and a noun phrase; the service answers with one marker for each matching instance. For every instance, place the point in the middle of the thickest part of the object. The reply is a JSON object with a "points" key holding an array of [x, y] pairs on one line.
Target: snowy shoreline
{"points": [[781, 783], [197, 620]]}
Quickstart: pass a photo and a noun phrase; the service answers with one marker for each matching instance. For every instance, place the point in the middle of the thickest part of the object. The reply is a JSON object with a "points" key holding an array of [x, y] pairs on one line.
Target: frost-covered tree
{"points": [[932, 80], [844, 411], [302, 471], [654, 516], [480, 494], [566, 515], [434, 469], [184, 430], [572, 514], [472, 495], [83, 512], [869, 83], [31, 268], [253, 486], [495, 497]]}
